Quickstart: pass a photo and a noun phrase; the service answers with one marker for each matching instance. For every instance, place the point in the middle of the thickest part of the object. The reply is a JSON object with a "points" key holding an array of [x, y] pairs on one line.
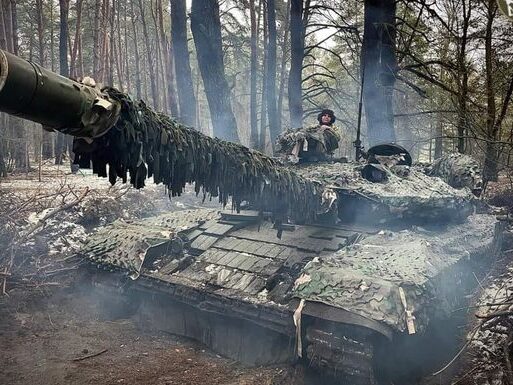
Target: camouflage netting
{"points": [[125, 244], [413, 194], [365, 278], [458, 170], [146, 144]]}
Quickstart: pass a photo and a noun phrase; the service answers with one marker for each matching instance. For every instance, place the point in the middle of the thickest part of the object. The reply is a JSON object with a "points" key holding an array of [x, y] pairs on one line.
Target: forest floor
{"points": [[46, 335], [52, 331]]}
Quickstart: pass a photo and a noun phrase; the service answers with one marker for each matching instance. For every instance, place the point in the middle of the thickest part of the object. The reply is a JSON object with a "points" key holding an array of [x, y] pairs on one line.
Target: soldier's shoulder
{"points": [[336, 131]]}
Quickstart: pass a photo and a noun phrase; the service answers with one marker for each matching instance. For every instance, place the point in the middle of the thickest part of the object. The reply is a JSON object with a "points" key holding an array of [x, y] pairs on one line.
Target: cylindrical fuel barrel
{"points": [[32, 92]]}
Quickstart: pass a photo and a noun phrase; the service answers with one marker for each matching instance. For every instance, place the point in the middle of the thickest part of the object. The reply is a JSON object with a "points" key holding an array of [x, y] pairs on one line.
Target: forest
{"points": [[392, 269], [436, 77]]}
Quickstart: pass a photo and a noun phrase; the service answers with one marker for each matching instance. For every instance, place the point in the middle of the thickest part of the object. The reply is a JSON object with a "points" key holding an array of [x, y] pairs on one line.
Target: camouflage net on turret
{"points": [[145, 144]]}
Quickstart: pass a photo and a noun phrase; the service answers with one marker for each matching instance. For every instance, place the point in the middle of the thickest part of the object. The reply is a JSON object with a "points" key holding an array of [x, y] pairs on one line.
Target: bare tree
{"points": [[206, 31], [19, 143], [297, 44], [47, 136], [184, 84], [253, 76], [463, 73], [150, 59], [263, 104], [96, 39], [60, 148], [379, 68], [494, 121], [283, 65], [74, 51], [138, 79], [167, 53], [271, 71]]}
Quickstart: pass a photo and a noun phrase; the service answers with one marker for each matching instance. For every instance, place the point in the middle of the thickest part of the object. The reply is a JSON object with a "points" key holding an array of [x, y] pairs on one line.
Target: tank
{"points": [[359, 301], [359, 271]]}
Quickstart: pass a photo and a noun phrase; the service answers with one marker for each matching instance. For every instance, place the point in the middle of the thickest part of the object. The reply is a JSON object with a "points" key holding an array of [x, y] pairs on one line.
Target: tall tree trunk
{"points": [[491, 154], [206, 31], [63, 68], [171, 80], [63, 38], [74, 50], [462, 120], [159, 71], [52, 38], [3, 117], [253, 142], [14, 21], [138, 92], [109, 37], [149, 56], [438, 137], [379, 66], [7, 14], [271, 71], [297, 49], [263, 104], [125, 36], [4, 126], [283, 66], [80, 57], [47, 136], [120, 60], [116, 46], [167, 53], [184, 83], [96, 40], [103, 64], [20, 144], [3, 27], [440, 115], [40, 31], [34, 31]]}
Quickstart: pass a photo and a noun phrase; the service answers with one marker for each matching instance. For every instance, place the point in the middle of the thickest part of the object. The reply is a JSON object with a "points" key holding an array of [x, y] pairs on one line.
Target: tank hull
{"points": [[228, 282], [251, 335]]}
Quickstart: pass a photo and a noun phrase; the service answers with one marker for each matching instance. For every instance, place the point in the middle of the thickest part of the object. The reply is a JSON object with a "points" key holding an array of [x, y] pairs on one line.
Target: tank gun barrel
{"points": [[130, 139], [32, 92]]}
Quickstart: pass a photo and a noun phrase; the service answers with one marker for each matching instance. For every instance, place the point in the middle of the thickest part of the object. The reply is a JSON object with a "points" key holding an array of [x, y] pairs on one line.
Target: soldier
{"points": [[312, 144]]}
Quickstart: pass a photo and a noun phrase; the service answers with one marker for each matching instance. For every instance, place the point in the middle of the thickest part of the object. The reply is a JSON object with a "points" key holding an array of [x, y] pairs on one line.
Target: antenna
{"points": [[358, 143]]}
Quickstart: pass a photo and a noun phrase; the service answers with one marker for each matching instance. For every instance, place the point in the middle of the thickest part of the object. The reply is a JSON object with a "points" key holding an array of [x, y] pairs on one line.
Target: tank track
{"points": [[340, 352]]}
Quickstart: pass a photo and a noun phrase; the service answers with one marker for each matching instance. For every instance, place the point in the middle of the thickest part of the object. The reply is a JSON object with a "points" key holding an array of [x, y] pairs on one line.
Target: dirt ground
{"points": [[43, 333]]}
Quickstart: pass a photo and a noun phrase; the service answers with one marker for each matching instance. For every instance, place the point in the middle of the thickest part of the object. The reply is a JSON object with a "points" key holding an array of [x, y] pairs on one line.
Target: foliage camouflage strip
{"points": [[146, 144]]}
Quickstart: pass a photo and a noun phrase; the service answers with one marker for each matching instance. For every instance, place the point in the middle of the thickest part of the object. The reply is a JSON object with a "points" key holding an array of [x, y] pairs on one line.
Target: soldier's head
{"points": [[326, 117]]}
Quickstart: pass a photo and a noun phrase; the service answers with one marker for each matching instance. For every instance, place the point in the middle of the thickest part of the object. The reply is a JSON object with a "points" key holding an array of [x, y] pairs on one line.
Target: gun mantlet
{"points": [[32, 92]]}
